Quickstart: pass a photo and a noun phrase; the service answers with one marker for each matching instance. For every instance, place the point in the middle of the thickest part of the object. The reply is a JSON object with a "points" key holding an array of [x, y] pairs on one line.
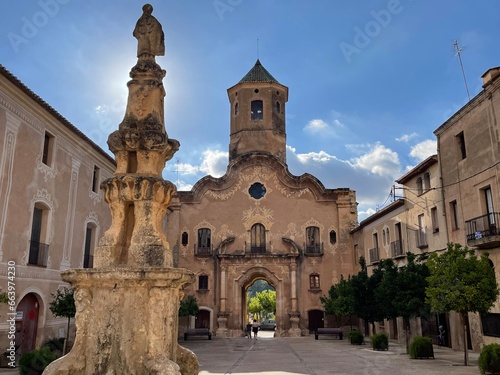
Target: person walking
{"points": [[255, 329], [248, 330]]}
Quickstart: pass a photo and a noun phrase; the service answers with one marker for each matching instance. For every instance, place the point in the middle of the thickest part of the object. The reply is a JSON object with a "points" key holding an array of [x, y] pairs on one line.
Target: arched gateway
{"points": [[259, 221]]}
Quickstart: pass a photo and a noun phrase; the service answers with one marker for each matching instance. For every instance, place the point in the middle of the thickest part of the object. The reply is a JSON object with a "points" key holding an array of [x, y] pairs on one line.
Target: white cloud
{"points": [[187, 169], [379, 160], [371, 175], [214, 162], [423, 150], [314, 157], [406, 137], [316, 126], [183, 186]]}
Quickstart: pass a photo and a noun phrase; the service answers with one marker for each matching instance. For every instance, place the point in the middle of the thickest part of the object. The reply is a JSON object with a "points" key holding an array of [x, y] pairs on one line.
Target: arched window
{"points": [[258, 238], [39, 249], [427, 181], [184, 239], [333, 237], [88, 252], [419, 186], [257, 110], [204, 242], [314, 281], [278, 107], [313, 244], [236, 109]]}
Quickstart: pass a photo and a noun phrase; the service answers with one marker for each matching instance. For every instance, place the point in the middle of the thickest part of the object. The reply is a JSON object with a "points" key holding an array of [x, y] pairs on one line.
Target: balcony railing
{"points": [[203, 250], [483, 231], [374, 258], [421, 239], [88, 261], [314, 249], [39, 254], [397, 248], [257, 249]]}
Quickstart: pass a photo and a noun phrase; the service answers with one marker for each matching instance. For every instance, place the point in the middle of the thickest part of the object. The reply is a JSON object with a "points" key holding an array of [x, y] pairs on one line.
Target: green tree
{"points": [[363, 287], [340, 300], [462, 282], [3, 297], [267, 300], [188, 306], [63, 305], [254, 307], [401, 291]]}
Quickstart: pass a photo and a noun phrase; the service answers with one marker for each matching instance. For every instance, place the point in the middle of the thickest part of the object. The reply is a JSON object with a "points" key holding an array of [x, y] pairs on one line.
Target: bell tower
{"points": [[257, 115]]}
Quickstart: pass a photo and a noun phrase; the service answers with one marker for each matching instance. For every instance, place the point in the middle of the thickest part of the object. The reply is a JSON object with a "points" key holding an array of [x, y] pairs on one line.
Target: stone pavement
{"points": [[304, 355]]}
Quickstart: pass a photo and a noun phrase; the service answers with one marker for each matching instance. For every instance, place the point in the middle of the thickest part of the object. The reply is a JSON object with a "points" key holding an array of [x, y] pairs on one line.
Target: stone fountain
{"points": [[127, 306]]}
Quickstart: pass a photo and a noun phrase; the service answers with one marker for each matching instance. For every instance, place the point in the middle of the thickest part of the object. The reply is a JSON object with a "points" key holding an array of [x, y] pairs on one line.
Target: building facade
{"points": [[52, 212], [259, 222], [469, 159]]}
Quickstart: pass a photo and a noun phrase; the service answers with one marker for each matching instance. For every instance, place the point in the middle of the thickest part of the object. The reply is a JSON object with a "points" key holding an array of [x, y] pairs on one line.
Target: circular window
{"points": [[256, 91], [257, 190]]}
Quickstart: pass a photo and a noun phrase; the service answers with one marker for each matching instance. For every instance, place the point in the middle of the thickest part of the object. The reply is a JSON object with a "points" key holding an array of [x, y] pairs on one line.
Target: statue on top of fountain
{"points": [[149, 34]]}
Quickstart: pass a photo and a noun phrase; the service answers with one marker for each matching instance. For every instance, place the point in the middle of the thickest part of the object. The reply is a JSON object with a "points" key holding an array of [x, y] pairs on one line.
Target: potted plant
{"points": [[380, 342], [421, 347], [356, 337], [489, 359]]}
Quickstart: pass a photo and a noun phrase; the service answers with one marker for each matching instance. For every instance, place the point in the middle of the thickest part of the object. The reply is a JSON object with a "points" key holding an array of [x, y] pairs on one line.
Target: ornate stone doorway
{"points": [[248, 278]]}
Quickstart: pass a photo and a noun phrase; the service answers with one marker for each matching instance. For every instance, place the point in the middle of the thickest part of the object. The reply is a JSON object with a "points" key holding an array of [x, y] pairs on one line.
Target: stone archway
{"points": [[246, 279]]}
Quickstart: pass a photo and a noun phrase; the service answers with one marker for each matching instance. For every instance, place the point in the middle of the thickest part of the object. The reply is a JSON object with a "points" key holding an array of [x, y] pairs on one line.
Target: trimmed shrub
{"points": [[34, 362], [380, 342], [356, 337], [489, 359], [421, 347]]}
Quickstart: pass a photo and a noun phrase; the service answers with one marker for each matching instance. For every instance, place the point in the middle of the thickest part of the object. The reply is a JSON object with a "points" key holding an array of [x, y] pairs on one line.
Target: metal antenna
{"points": [[176, 170], [458, 52]]}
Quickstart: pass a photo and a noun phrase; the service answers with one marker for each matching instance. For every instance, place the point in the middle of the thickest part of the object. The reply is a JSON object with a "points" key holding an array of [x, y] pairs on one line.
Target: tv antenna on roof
{"points": [[458, 51]]}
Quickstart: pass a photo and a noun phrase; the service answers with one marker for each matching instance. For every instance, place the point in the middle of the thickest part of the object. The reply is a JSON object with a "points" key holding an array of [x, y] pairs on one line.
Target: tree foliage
{"points": [[340, 300], [401, 290], [389, 292], [461, 281], [263, 304], [63, 303], [188, 306]]}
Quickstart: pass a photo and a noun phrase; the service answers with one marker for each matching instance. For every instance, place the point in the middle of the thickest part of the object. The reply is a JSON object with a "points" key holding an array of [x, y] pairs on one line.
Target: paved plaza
{"points": [[304, 355]]}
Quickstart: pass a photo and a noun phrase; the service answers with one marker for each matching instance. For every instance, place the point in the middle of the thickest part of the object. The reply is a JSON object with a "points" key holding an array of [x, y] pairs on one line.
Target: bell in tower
{"points": [[258, 115]]}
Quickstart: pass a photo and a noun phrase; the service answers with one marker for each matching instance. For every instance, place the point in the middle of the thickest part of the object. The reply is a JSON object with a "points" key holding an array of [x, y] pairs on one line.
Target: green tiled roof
{"points": [[258, 74]]}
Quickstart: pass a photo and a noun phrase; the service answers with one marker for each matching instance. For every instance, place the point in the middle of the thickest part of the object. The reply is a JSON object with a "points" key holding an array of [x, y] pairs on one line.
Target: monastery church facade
{"points": [[259, 221]]}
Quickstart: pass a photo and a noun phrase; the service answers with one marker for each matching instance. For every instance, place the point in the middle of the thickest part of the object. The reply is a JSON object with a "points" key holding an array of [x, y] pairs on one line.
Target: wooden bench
{"points": [[198, 332], [329, 331]]}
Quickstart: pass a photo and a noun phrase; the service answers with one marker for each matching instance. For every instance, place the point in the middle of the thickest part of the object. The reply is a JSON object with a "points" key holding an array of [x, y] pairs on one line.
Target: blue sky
{"points": [[369, 81]]}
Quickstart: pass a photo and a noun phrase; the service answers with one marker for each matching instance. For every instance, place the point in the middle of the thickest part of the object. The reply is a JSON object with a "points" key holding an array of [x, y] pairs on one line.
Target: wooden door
{"points": [[27, 314], [202, 319], [315, 320]]}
